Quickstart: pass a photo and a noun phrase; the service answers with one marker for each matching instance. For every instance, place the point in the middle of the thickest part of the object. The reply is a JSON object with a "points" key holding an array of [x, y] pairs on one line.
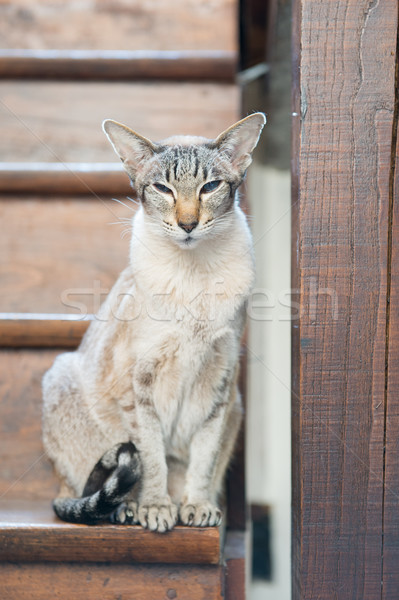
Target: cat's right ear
{"points": [[132, 148]]}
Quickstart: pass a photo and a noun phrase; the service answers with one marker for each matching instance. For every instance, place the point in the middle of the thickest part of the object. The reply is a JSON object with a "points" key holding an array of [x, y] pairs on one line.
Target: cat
{"points": [[141, 420]]}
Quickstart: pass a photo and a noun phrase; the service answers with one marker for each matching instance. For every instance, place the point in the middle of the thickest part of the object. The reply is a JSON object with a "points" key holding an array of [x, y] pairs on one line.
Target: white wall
{"points": [[268, 413]]}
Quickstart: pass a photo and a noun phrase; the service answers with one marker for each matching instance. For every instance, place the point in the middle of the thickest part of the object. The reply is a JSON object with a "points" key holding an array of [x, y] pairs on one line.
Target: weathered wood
{"points": [[61, 122], [344, 99], [109, 25], [110, 582], [390, 550], [64, 179], [30, 532], [60, 256], [139, 65]]}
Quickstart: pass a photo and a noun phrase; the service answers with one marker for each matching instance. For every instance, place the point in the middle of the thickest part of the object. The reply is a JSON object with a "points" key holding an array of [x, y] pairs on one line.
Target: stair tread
{"points": [[30, 531]]}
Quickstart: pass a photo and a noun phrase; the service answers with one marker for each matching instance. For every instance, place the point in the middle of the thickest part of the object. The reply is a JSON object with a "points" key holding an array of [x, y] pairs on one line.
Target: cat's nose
{"points": [[188, 226]]}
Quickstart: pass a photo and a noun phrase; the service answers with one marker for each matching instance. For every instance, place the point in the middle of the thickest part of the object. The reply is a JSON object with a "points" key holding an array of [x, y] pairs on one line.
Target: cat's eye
{"points": [[162, 188], [211, 186]]}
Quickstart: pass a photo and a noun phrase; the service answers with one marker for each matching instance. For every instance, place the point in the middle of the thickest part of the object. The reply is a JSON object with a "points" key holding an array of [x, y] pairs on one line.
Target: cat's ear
{"points": [[132, 148], [239, 141]]}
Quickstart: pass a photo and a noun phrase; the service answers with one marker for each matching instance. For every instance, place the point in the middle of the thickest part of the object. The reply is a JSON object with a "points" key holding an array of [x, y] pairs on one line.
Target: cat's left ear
{"points": [[132, 148], [239, 141]]}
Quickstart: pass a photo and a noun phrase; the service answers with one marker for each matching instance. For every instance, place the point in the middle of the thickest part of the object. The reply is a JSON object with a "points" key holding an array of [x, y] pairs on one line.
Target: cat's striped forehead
{"points": [[184, 158]]}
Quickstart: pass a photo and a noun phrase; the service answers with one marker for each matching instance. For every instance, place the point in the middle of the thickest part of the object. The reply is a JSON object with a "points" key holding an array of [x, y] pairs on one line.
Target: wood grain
{"points": [[25, 471], [139, 65], [390, 550], [28, 330], [110, 582], [109, 25], [30, 532], [342, 160], [64, 179], [60, 256], [61, 122]]}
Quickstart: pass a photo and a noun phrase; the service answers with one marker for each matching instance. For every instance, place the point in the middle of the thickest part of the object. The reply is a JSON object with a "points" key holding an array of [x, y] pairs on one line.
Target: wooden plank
{"points": [[235, 554], [25, 471], [61, 256], [345, 99], [28, 330], [390, 553], [119, 25], [64, 179], [139, 65], [30, 532], [110, 582], [61, 122]]}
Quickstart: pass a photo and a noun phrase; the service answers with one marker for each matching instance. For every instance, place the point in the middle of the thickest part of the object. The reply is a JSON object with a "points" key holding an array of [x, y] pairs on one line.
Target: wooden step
{"points": [[61, 121], [61, 255], [30, 330], [117, 65], [29, 531], [93, 581], [119, 25], [63, 179]]}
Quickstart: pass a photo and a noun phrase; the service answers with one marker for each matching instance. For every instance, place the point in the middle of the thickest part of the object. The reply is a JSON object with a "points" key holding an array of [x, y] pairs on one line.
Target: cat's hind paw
{"points": [[201, 514], [125, 514], [158, 516]]}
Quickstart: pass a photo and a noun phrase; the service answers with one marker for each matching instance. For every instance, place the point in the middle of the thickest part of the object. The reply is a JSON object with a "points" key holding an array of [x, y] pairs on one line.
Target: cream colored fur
{"points": [[159, 365]]}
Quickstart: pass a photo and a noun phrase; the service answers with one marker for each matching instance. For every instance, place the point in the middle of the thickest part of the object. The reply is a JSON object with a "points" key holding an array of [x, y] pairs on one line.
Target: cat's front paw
{"points": [[158, 515], [125, 514], [200, 514]]}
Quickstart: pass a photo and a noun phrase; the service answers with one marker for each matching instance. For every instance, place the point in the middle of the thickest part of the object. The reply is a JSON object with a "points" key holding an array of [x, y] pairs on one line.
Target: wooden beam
{"points": [[113, 65], [344, 98], [64, 178], [390, 574]]}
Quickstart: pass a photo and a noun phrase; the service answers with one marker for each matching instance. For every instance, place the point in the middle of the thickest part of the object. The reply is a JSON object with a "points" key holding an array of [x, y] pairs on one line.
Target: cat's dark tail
{"points": [[110, 481]]}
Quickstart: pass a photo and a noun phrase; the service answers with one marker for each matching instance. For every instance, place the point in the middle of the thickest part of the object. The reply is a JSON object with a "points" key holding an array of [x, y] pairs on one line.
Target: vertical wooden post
{"points": [[345, 343]]}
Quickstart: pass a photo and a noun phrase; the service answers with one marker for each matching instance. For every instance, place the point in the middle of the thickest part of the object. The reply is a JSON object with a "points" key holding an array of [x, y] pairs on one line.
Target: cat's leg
{"points": [[210, 451], [229, 438], [156, 511]]}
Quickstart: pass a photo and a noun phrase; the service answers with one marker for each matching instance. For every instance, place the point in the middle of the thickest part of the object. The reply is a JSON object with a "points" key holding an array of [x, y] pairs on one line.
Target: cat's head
{"points": [[186, 184]]}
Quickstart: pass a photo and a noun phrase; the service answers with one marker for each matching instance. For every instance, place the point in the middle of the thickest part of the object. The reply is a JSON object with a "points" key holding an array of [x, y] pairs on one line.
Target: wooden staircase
{"points": [[163, 68]]}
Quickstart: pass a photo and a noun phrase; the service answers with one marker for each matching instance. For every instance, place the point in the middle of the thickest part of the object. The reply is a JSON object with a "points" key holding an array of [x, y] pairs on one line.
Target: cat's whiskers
{"points": [[125, 232], [133, 210]]}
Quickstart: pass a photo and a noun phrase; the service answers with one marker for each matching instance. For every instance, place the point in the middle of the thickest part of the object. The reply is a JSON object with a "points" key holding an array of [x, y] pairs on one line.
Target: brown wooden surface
{"points": [[61, 122], [25, 471], [390, 549], [344, 97], [60, 256], [110, 582], [105, 179], [29, 531], [28, 330], [200, 65], [108, 25]]}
